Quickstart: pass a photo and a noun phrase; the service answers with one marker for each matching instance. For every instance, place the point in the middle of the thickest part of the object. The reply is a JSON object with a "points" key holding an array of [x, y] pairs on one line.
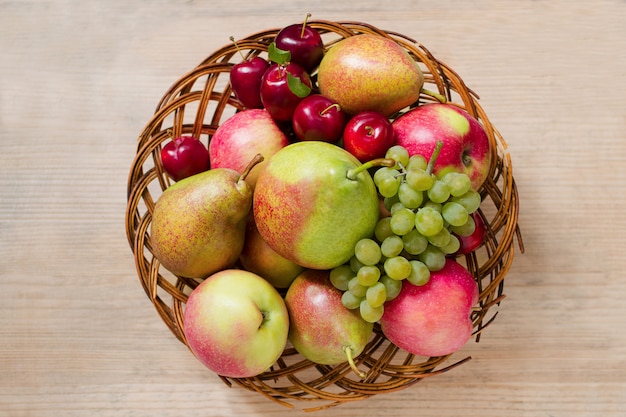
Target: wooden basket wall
{"points": [[196, 104]]}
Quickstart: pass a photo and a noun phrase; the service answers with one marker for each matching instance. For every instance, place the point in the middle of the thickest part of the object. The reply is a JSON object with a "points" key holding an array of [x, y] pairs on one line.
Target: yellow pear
{"points": [[198, 224], [368, 72]]}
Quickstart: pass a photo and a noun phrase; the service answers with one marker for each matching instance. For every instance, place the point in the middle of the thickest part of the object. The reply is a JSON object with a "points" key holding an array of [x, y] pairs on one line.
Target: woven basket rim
{"points": [[192, 105]]}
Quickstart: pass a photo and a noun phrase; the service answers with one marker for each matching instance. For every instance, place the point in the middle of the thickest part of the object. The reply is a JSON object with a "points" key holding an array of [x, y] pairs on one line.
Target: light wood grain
{"points": [[78, 80]]}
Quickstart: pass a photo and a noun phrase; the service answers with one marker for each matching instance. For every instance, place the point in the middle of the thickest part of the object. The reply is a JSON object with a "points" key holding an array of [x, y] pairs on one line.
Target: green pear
{"points": [[370, 73], [198, 223], [320, 328], [313, 202]]}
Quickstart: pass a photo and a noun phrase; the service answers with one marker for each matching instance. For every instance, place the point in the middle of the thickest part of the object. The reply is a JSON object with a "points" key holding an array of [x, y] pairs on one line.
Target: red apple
{"points": [[303, 42], [184, 156], [277, 95], [433, 319], [466, 146], [318, 118], [368, 135], [236, 323], [241, 137]]}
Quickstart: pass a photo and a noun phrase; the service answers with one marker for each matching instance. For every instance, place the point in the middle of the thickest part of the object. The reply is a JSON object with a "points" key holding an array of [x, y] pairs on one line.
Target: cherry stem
{"points": [[232, 39], [434, 156], [378, 162], [304, 24], [439, 97], [327, 109], [257, 159], [348, 351]]}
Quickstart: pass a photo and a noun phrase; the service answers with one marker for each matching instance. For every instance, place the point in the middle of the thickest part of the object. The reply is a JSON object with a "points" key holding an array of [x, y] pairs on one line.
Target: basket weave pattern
{"points": [[196, 104]]}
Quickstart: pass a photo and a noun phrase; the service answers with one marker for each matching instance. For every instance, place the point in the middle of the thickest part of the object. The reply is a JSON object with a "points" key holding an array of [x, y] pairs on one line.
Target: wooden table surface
{"points": [[78, 81]]}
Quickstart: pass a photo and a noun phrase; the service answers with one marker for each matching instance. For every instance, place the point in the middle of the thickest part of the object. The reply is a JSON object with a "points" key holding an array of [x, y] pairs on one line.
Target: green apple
{"points": [[236, 323]]}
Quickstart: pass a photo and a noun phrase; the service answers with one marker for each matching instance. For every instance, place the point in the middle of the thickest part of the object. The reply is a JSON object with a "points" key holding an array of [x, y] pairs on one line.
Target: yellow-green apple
{"points": [[258, 257], [236, 323], [433, 319], [466, 147], [368, 72], [321, 329], [243, 135], [313, 202]]}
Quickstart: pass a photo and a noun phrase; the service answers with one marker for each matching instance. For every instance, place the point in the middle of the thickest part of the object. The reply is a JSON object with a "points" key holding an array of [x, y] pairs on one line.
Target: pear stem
{"points": [[256, 160], [385, 162], [434, 156], [439, 97], [348, 351]]}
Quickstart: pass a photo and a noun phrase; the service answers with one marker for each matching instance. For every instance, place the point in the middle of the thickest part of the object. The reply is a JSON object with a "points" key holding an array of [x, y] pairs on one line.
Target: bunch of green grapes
{"points": [[425, 214]]}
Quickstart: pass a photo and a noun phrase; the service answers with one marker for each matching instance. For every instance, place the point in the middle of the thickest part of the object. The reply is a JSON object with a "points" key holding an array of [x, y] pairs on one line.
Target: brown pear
{"points": [[198, 224]]}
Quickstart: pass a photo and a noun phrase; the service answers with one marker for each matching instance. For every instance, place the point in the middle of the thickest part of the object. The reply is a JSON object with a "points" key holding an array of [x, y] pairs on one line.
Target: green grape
{"points": [[458, 183], [390, 201], [470, 200], [395, 207], [367, 251], [397, 267], [392, 287], [439, 239], [376, 294], [383, 229], [383, 173], [428, 221], [433, 257], [414, 242], [453, 245], [355, 288], [439, 192], [402, 221], [399, 154], [388, 187], [392, 246], [369, 313], [420, 274], [409, 197], [454, 213], [436, 206], [368, 275], [350, 301], [417, 161], [465, 229], [355, 264], [340, 276], [419, 179]]}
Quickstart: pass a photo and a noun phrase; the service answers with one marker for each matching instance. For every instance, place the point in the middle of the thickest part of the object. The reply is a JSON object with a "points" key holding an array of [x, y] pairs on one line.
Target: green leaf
{"points": [[277, 55], [297, 87]]}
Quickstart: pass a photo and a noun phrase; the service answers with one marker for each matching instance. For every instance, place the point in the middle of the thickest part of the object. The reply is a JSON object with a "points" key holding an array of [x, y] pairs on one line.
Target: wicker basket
{"points": [[196, 104]]}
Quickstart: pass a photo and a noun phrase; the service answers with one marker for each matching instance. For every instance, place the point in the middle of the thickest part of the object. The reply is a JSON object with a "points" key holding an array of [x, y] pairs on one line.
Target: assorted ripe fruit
{"points": [[333, 200]]}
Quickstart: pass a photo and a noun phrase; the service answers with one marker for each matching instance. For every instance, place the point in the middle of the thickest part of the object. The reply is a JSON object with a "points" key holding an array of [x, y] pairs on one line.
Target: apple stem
{"points": [[257, 159], [439, 97], [386, 162], [348, 352], [232, 39], [434, 156], [306, 18], [327, 109]]}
